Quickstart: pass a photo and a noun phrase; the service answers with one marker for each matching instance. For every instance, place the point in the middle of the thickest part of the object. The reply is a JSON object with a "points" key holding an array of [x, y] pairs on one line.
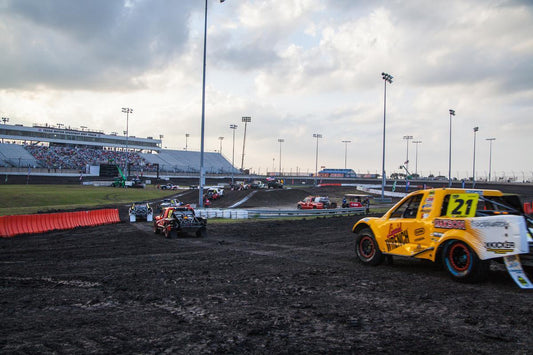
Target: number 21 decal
{"points": [[462, 205]]}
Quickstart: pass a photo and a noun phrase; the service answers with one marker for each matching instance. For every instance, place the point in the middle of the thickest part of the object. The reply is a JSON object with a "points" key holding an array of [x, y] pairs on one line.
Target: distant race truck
{"points": [[180, 220], [464, 229], [141, 210]]}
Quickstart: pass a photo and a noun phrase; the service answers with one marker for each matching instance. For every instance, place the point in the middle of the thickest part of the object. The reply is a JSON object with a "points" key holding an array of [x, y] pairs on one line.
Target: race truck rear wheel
{"points": [[463, 264], [366, 248]]}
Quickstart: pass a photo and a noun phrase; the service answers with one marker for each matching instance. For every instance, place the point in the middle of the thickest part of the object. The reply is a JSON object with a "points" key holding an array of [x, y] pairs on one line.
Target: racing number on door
{"points": [[462, 205]]}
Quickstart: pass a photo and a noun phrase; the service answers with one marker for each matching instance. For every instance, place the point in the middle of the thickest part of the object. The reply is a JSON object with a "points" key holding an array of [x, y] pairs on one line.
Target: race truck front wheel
{"points": [[168, 232], [463, 264], [201, 233], [366, 248]]}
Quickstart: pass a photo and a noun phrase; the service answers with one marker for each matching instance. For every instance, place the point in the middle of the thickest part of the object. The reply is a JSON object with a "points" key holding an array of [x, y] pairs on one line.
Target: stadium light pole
{"points": [[220, 139], [452, 113], [490, 154], [407, 138], [280, 140], [245, 119], [387, 78], [474, 159], [317, 136], [416, 156], [187, 135], [345, 151], [202, 135], [161, 140], [127, 111], [233, 127]]}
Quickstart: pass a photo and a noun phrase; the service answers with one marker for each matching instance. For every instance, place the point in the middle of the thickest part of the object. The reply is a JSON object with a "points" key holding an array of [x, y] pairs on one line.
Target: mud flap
{"points": [[133, 218], [149, 217], [514, 267]]}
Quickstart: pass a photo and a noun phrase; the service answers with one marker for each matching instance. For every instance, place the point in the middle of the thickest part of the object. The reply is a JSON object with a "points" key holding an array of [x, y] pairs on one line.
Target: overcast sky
{"points": [[296, 67]]}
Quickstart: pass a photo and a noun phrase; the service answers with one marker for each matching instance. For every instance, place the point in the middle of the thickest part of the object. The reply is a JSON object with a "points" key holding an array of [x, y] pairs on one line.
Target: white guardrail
{"points": [[263, 213]]}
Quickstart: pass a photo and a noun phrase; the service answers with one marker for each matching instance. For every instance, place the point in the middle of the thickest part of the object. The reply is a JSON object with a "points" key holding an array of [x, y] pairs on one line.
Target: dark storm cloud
{"points": [[84, 44]]}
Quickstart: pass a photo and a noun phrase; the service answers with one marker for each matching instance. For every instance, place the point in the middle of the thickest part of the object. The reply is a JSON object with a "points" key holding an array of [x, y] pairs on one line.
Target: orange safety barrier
{"points": [[11, 226], [96, 217]]}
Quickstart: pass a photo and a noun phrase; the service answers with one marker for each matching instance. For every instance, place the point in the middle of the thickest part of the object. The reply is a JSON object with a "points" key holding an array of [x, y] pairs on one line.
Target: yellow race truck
{"points": [[464, 229]]}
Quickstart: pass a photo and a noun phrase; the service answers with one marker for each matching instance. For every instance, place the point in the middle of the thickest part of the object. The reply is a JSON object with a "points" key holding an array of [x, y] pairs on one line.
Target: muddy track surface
{"points": [[249, 287]]}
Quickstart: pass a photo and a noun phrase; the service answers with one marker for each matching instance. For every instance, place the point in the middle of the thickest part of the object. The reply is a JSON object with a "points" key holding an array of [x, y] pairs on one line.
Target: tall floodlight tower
{"points": [[220, 139], [127, 111], [233, 127], [407, 138], [452, 113], [202, 134], [280, 140], [474, 159], [416, 156], [246, 120], [317, 136], [345, 151], [387, 78], [490, 154]]}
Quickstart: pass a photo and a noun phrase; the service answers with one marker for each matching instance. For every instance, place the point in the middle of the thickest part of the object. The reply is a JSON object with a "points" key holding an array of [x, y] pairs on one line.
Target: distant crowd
{"points": [[79, 158]]}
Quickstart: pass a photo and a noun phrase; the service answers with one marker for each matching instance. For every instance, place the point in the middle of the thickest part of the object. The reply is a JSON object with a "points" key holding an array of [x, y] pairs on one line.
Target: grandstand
{"points": [[186, 161], [44, 146]]}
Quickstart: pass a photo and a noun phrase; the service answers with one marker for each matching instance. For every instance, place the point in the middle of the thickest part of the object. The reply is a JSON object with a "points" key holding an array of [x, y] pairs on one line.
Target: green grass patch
{"points": [[25, 199]]}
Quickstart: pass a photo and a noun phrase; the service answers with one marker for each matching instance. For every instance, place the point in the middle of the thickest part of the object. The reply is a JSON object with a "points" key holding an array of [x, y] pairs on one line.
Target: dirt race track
{"points": [[248, 287]]}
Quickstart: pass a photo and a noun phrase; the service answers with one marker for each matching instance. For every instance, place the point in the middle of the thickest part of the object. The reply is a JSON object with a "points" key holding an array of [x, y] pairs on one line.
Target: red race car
{"points": [[316, 202]]}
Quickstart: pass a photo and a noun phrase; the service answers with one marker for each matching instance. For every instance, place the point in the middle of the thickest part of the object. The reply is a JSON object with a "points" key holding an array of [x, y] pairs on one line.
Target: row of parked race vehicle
{"points": [[323, 202]]}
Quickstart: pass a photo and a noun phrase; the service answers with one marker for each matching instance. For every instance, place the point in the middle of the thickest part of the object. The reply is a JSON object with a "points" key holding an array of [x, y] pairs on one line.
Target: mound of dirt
{"points": [[271, 198]]}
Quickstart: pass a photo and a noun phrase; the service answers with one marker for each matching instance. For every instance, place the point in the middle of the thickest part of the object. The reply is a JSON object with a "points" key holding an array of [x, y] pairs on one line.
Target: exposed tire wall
{"points": [[11, 226]]}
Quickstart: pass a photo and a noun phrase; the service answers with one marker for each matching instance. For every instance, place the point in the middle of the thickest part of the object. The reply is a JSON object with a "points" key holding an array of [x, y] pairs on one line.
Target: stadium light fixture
{"points": [[452, 113], [202, 135], [387, 78], [187, 135]]}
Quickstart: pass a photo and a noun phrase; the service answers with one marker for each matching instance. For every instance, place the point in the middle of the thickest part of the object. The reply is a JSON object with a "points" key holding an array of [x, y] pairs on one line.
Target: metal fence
{"points": [[265, 214]]}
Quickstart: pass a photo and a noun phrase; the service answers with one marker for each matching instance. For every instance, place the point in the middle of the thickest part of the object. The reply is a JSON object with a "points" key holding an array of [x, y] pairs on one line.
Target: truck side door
{"points": [[405, 232]]}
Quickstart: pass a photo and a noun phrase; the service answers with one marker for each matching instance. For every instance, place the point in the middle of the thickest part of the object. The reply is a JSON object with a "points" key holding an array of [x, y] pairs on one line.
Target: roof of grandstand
{"points": [[54, 135]]}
